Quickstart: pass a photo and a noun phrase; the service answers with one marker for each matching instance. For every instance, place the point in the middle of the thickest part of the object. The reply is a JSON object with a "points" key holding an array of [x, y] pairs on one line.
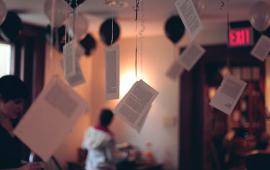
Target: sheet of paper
{"points": [[77, 78], [191, 55], [190, 17], [112, 72], [228, 94], [69, 59], [135, 104], [262, 48], [175, 70], [141, 120], [50, 118], [71, 52]]}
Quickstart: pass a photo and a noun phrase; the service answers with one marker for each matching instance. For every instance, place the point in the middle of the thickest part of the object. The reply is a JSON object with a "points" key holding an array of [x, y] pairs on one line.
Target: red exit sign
{"points": [[240, 37]]}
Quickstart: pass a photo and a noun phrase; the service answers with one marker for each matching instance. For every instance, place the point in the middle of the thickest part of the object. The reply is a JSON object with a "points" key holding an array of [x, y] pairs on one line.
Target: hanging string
{"points": [[112, 26], [136, 48], [53, 64], [52, 26], [74, 19], [141, 35], [66, 33], [74, 23], [228, 19], [228, 30], [75, 15], [74, 33], [69, 26], [137, 5], [176, 52]]}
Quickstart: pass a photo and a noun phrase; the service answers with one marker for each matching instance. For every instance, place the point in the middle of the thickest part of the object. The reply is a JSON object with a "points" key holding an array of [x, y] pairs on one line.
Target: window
{"points": [[5, 59]]}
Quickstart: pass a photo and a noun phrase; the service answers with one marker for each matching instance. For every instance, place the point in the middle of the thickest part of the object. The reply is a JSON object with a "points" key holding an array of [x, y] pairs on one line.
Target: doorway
{"points": [[203, 129]]}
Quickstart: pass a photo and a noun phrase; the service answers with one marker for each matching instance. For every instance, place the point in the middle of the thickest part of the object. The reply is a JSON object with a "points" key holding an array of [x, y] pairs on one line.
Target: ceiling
{"points": [[155, 12]]}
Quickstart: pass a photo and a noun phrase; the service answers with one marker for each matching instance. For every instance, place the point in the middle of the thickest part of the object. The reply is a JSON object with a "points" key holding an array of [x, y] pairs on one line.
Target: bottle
{"points": [[148, 154]]}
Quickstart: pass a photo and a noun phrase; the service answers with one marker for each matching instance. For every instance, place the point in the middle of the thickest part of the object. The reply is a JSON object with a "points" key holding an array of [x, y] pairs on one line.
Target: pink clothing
{"points": [[104, 129]]}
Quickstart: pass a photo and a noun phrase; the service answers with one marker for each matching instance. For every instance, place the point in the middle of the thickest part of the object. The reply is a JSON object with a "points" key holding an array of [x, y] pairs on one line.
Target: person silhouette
{"points": [[99, 143], [13, 94]]}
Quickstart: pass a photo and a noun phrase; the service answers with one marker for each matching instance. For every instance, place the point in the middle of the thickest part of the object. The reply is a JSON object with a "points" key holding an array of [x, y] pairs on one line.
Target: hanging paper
{"points": [[262, 48], [69, 59], [77, 78], [175, 70], [71, 52], [50, 118], [190, 17], [228, 94], [135, 105], [139, 124], [112, 72], [191, 55]]}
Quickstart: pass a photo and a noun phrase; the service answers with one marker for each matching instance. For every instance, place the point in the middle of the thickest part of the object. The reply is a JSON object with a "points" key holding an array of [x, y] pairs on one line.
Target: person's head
{"points": [[13, 94], [105, 117]]}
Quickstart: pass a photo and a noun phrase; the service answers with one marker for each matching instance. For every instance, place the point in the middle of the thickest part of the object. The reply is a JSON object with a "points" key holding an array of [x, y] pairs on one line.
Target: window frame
{"points": [[12, 58]]}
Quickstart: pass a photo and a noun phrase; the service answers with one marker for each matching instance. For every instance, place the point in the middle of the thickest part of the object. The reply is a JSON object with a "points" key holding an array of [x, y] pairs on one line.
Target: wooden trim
{"points": [[191, 119], [29, 57]]}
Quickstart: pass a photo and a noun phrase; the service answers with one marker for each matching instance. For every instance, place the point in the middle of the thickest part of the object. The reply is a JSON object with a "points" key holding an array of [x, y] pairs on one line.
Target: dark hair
{"points": [[106, 117], [11, 87]]}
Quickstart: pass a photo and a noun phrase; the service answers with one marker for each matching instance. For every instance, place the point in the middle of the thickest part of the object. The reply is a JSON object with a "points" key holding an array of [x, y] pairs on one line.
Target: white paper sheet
{"points": [[190, 18], [135, 104], [175, 70], [50, 118], [71, 52], [262, 48], [228, 94], [191, 55], [141, 120], [112, 72], [77, 78]]}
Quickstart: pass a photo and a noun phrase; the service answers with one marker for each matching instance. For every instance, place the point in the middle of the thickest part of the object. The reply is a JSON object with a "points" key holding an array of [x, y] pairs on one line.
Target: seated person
{"points": [[13, 94], [99, 143]]}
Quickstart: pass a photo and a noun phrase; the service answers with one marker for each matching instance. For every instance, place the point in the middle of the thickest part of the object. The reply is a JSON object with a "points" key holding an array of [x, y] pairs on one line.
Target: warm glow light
{"points": [[212, 92], [127, 79]]}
